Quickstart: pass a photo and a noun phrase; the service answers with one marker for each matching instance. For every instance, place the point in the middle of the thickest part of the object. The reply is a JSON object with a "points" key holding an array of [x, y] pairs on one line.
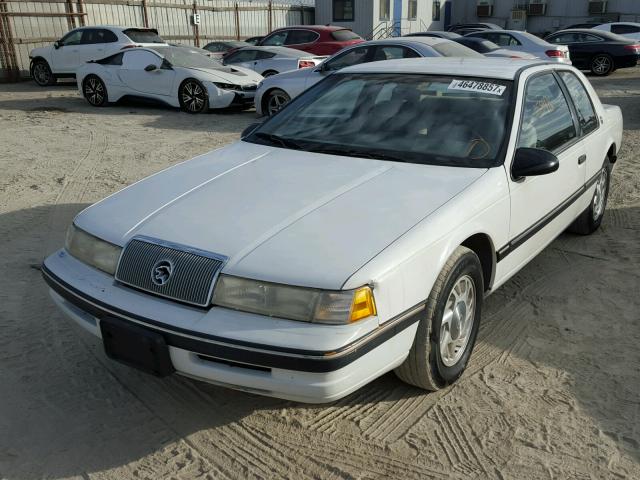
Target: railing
{"points": [[384, 30]]}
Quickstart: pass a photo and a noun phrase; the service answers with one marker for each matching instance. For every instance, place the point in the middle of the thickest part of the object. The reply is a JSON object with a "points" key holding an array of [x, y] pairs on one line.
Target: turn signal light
{"points": [[305, 64], [363, 304]]}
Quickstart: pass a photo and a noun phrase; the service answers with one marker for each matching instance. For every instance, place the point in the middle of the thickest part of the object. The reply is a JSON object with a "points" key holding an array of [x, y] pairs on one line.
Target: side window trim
{"points": [[564, 146]]}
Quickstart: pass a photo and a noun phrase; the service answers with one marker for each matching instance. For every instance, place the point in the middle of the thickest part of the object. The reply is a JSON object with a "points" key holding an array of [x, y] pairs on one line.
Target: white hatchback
{"points": [[63, 58], [356, 231]]}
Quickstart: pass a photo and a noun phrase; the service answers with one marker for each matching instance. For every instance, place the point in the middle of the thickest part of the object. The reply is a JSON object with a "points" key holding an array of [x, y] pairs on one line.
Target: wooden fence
{"points": [[28, 24]]}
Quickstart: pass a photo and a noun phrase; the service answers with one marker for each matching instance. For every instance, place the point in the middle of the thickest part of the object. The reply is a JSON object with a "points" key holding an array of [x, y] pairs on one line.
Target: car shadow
{"points": [[558, 344]]}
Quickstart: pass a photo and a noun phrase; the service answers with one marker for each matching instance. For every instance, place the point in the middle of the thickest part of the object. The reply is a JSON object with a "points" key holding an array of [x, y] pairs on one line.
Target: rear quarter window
{"points": [[143, 36], [344, 35]]}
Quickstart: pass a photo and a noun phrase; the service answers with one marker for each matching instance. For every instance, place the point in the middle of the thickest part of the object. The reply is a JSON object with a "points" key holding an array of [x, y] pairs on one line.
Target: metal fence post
{"points": [[83, 17], [196, 32], [269, 20], [145, 14], [8, 45], [237, 11]]}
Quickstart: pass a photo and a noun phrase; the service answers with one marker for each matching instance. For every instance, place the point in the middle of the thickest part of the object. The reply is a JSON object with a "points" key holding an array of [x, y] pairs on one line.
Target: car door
{"points": [[352, 56], [543, 206], [94, 44], [139, 80], [245, 57], [276, 39], [65, 56], [301, 39]]}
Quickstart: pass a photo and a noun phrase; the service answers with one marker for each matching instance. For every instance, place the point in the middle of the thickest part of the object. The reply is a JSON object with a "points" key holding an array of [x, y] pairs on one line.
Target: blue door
{"points": [[447, 14], [397, 17]]}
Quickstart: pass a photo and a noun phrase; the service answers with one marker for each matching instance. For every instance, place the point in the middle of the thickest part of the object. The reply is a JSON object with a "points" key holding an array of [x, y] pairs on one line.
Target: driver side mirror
{"points": [[150, 68], [57, 44], [529, 162]]}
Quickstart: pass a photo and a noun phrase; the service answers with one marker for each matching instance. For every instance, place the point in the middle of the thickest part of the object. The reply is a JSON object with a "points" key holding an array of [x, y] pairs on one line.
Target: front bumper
{"points": [[299, 374], [221, 98]]}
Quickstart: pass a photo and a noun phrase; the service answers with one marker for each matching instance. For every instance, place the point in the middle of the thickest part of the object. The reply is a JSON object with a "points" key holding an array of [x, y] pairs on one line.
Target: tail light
{"points": [[306, 64], [555, 53], [634, 48]]}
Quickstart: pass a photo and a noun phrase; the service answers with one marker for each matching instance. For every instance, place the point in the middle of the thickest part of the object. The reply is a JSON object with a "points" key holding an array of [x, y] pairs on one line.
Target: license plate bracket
{"points": [[136, 347]]}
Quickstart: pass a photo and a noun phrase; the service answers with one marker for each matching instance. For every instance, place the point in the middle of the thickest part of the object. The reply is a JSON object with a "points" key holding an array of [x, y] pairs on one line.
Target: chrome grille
{"points": [[191, 272]]}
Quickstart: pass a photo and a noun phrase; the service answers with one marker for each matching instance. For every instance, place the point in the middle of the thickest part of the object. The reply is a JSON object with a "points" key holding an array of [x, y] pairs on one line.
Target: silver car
{"points": [[269, 61], [273, 93], [525, 42]]}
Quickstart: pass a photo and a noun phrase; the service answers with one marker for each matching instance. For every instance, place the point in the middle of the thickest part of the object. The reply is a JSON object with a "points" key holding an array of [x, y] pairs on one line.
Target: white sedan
{"points": [[276, 91], [355, 232], [177, 76], [62, 58], [269, 61]]}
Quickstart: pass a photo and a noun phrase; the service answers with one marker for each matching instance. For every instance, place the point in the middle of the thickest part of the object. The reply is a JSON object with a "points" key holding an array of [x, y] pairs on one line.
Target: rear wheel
{"points": [[589, 220], [193, 96], [276, 99], [42, 74], [447, 332], [601, 65], [95, 91]]}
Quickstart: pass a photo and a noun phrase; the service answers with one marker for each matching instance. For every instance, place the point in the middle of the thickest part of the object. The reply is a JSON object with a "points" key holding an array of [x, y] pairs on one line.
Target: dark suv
{"points": [[316, 39]]}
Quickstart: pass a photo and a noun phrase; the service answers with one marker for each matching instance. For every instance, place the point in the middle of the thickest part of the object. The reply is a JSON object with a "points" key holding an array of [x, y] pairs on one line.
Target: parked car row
{"points": [[599, 48]]}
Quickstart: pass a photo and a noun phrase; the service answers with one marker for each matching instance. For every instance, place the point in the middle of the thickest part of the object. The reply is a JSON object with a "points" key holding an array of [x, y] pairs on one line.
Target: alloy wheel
{"points": [[600, 195], [601, 65], [41, 73], [276, 101], [193, 97], [457, 320], [94, 91]]}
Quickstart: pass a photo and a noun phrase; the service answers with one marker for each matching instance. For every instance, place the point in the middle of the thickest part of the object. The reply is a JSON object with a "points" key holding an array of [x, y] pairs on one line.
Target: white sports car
{"points": [[355, 232], [178, 76]]}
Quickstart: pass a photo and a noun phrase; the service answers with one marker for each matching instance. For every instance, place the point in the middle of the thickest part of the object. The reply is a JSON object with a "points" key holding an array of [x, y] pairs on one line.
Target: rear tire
{"points": [[42, 74], [601, 65], [447, 332], [193, 96], [590, 219], [95, 91]]}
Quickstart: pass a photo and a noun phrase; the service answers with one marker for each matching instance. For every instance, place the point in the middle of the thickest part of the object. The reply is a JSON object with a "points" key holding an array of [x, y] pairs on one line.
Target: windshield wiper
{"points": [[350, 152], [283, 141]]}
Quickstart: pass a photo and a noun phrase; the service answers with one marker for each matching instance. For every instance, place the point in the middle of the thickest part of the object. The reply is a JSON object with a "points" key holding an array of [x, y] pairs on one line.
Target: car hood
{"points": [[280, 215], [238, 76]]}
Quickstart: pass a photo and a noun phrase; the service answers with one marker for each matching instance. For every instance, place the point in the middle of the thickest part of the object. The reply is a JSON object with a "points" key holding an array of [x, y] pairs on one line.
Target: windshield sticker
{"points": [[475, 86]]}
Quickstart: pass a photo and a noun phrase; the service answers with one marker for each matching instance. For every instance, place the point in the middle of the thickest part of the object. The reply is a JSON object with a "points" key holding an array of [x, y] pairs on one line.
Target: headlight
{"points": [[259, 85], [91, 250], [226, 86], [294, 303]]}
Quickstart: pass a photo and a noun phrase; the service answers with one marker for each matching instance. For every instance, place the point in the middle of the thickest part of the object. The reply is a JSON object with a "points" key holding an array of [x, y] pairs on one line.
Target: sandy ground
{"points": [[552, 390]]}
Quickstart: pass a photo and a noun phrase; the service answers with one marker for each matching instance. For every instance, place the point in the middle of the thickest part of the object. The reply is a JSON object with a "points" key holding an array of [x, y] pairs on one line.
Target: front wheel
{"points": [[601, 65], [447, 332], [276, 99], [193, 97], [42, 74], [95, 91], [590, 219]]}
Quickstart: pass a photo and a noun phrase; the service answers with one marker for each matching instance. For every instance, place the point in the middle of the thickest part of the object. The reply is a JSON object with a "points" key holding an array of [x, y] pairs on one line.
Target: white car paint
{"points": [[331, 222], [295, 82], [270, 60], [626, 29], [163, 83], [519, 41], [64, 60]]}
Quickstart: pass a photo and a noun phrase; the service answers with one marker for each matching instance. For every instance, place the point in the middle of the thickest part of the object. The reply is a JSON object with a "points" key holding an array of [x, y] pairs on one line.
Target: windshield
{"points": [[438, 120], [188, 58], [143, 36]]}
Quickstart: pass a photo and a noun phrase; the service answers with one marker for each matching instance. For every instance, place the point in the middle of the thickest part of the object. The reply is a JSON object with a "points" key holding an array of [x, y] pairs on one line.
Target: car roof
{"points": [[318, 28], [591, 31], [499, 68], [406, 40]]}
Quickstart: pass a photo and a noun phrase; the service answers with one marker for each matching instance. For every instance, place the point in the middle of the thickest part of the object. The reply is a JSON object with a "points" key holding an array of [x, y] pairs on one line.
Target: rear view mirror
{"points": [[150, 68], [530, 162], [57, 45]]}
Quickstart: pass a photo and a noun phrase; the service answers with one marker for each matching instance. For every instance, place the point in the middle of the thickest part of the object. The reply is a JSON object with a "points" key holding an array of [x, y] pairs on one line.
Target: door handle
{"points": [[582, 159]]}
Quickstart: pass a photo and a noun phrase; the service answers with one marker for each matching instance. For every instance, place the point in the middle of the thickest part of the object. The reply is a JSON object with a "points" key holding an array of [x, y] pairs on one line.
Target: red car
{"points": [[315, 39]]}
